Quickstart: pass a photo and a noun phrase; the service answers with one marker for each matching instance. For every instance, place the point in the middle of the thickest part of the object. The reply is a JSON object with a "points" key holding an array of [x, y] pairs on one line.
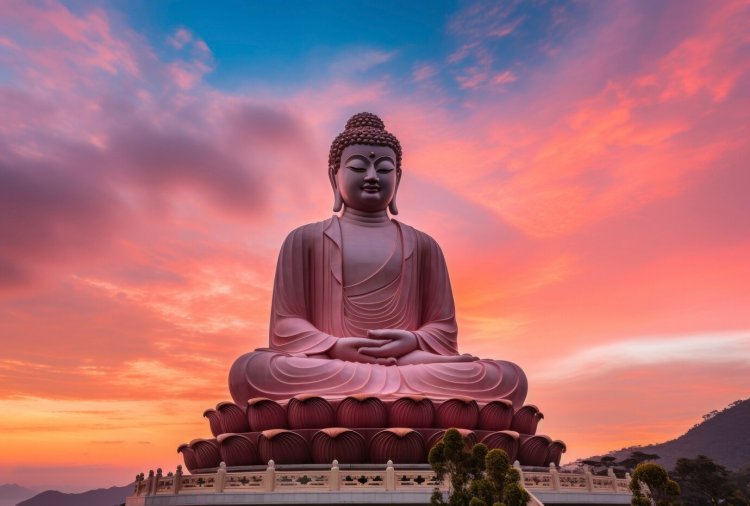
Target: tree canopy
{"points": [[704, 482], [651, 482], [477, 477]]}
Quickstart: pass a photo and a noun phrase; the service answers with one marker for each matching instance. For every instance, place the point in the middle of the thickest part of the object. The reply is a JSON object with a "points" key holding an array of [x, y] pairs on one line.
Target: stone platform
{"points": [[356, 484]]}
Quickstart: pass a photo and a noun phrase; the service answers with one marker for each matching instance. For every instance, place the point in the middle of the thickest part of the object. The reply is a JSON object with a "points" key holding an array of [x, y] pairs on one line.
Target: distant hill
{"points": [[12, 494], [99, 497], [723, 436]]}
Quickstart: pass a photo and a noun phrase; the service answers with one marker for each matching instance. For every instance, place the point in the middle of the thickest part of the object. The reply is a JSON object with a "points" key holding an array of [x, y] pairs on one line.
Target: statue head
{"points": [[364, 165]]}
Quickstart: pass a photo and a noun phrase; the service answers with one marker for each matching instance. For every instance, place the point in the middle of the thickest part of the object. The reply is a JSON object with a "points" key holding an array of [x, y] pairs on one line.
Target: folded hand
{"points": [[393, 343], [348, 348]]}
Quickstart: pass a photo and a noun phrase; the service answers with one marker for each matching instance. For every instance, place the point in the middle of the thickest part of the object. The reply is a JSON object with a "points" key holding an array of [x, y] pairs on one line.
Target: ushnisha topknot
{"points": [[363, 128], [365, 119]]}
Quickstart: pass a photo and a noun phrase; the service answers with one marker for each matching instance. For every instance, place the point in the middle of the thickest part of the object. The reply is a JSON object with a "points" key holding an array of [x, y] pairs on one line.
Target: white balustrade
{"points": [[271, 479]]}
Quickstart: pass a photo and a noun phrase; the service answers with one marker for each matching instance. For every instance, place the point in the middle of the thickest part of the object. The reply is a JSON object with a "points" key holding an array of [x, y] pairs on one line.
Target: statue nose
{"points": [[371, 174]]}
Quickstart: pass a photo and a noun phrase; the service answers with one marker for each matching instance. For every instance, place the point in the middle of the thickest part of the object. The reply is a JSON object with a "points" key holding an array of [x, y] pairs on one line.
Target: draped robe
{"points": [[312, 308]]}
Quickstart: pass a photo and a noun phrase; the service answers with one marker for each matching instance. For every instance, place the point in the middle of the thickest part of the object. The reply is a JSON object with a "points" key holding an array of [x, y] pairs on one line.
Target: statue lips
{"points": [[371, 188]]}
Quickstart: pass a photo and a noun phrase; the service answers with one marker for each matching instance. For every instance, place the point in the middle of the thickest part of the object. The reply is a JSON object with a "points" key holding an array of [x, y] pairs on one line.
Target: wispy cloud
{"points": [[423, 71], [354, 61], [599, 360]]}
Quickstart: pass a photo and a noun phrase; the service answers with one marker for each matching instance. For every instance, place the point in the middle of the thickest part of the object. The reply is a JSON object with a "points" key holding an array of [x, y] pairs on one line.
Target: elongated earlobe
{"points": [[337, 201], [392, 207]]}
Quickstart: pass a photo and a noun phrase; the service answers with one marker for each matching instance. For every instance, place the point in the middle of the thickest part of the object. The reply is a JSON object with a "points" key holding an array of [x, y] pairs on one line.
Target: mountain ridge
{"points": [[98, 497], [12, 493], [723, 436]]}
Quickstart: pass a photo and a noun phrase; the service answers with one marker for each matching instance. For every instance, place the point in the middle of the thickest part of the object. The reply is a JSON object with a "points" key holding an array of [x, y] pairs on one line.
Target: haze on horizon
{"points": [[583, 166]]}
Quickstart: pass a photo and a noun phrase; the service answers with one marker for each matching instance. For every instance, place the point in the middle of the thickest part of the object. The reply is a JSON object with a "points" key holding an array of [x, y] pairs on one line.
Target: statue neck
{"points": [[365, 219]]}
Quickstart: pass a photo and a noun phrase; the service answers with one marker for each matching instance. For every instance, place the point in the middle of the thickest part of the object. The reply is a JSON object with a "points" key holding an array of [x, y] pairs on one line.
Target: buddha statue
{"points": [[362, 303]]}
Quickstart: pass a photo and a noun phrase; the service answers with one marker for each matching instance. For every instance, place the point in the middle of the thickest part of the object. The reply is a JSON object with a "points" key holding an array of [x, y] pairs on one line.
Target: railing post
{"points": [[390, 476], [334, 479], [270, 476], [220, 476], [157, 479], [555, 476], [517, 467], [141, 486], [150, 482], [177, 480], [589, 478], [613, 476]]}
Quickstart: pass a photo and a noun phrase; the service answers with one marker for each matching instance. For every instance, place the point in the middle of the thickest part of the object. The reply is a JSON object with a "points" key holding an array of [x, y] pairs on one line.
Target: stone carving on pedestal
{"points": [[363, 356]]}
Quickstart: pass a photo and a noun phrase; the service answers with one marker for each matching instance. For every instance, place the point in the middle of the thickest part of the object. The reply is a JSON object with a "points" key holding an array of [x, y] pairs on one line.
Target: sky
{"points": [[583, 165]]}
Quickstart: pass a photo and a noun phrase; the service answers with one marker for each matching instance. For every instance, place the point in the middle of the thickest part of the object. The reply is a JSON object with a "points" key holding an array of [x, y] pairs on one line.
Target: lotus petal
{"points": [[214, 421], [554, 452], [283, 447], [496, 415], [238, 450], [264, 414], [206, 453], [361, 411], [415, 412], [346, 446], [526, 419], [504, 440], [460, 413], [309, 412], [188, 455], [533, 450], [402, 446], [233, 418]]}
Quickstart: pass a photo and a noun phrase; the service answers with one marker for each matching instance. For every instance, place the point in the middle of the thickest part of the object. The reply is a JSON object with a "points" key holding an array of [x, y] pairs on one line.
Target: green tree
{"points": [[741, 480], [600, 465], [662, 490], [636, 458], [477, 477], [704, 482]]}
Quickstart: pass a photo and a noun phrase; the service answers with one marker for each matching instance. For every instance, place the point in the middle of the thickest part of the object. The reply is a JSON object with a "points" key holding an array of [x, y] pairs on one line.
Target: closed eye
{"points": [[356, 169]]}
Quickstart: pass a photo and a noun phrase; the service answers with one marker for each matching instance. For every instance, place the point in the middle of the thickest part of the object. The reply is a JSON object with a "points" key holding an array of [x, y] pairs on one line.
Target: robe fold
{"points": [[312, 308]]}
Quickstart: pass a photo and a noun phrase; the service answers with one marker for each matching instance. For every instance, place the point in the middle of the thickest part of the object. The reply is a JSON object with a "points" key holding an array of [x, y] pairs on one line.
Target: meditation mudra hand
{"points": [[362, 303], [388, 347]]}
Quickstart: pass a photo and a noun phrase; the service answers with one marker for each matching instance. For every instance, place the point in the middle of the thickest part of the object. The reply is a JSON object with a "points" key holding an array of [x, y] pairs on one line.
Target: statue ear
{"points": [[392, 207], [337, 201]]}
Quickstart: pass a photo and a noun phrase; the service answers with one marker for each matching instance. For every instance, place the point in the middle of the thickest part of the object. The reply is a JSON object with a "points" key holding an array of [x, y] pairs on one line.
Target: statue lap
{"points": [[280, 376]]}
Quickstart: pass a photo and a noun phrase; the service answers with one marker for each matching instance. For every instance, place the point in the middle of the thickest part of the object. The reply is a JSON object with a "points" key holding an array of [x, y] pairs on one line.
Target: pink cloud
{"points": [[180, 38], [485, 21], [504, 77], [423, 72]]}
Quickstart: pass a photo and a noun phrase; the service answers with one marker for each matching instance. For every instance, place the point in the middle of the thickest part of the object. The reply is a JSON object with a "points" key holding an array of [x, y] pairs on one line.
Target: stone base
{"points": [[591, 499], [358, 485], [325, 498], [279, 498]]}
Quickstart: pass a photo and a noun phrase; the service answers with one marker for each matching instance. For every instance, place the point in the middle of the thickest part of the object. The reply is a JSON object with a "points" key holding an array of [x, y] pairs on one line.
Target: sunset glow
{"points": [[583, 166]]}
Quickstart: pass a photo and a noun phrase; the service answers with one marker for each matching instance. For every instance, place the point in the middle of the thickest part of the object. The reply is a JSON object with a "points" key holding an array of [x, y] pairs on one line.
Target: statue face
{"points": [[367, 177]]}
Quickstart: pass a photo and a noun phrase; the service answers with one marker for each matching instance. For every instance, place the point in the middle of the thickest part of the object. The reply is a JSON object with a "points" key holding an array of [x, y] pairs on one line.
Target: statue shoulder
{"points": [[309, 233], [421, 241]]}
